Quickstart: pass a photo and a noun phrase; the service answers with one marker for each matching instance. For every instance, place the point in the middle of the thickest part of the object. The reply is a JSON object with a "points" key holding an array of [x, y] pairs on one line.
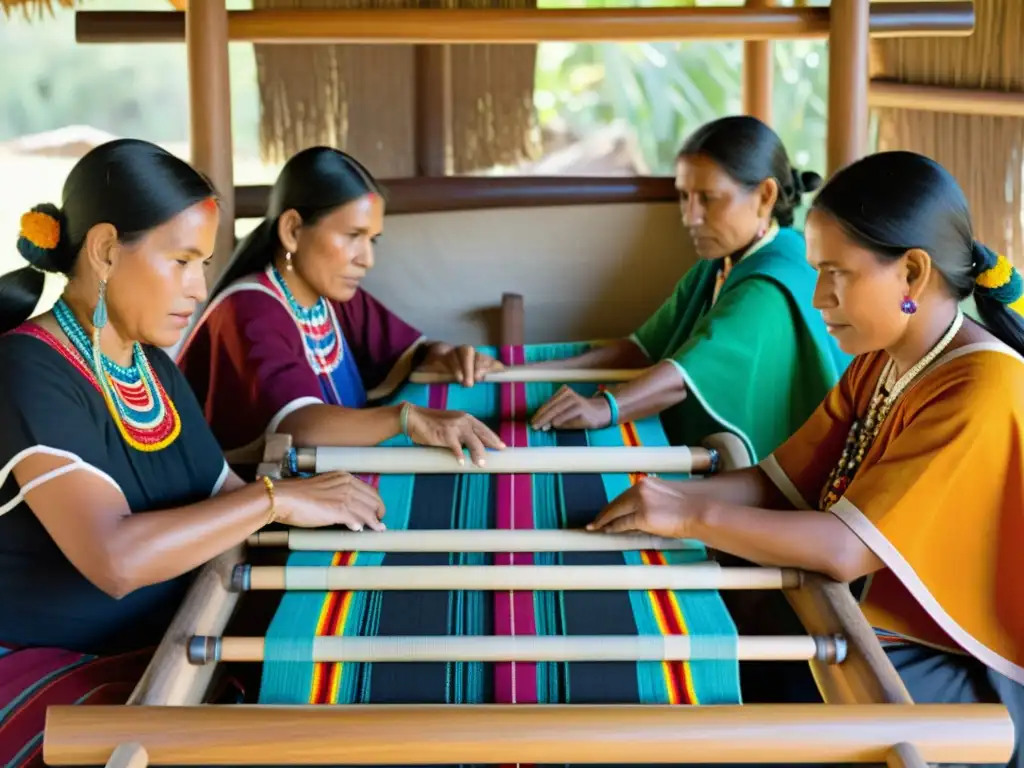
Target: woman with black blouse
{"points": [[113, 490]]}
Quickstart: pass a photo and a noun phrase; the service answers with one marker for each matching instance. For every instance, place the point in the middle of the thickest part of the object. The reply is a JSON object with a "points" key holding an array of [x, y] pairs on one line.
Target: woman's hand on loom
{"points": [[464, 363], [568, 409], [651, 506], [332, 498], [453, 430]]}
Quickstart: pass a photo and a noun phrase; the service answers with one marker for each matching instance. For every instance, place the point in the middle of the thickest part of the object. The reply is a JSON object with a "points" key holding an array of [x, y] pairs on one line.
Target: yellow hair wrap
{"points": [[40, 229], [1018, 306], [997, 276]]}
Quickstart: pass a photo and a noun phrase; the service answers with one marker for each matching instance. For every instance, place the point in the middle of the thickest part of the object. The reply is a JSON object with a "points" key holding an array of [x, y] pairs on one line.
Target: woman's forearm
{"points": [[619, 354], [805, 539], [747, 487], [657, 389], [149, 548], [333, 425]]}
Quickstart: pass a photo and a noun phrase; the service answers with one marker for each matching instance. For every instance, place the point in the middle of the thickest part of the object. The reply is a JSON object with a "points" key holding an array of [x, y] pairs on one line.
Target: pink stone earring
{"points": [[909, 306]]}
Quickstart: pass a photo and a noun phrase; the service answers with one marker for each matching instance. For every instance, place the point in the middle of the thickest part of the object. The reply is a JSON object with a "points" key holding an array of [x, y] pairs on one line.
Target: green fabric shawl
{"points": [[759, 361]]}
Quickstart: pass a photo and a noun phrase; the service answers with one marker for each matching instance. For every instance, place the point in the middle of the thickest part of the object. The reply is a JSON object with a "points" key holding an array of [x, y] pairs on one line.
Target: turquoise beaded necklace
{"points": [[144, 414]]}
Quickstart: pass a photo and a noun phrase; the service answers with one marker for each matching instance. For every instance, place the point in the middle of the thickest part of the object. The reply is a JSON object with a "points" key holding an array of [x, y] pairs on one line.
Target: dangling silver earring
{"points": [[288, 261]]}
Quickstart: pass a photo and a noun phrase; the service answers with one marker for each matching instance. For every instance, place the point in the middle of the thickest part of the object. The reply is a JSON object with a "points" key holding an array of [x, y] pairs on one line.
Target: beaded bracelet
{"points": [[612, 405], [269, 484]]}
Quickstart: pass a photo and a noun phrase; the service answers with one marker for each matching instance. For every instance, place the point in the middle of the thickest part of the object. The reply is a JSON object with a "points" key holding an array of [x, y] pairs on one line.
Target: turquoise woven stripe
{"points": [[471, 511], [287, 669]]}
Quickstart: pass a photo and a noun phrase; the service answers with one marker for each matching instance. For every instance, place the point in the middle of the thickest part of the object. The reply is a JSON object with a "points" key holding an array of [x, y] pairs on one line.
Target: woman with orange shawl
{"points": [[910, 475]]}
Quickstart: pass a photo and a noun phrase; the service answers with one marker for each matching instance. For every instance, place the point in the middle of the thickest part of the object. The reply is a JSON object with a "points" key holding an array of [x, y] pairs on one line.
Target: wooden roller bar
{"points": [[534, 460], [830, 650], [528, 25], [533, 578], [933, 98], [523, 733], [301, 539], [527, 373]]}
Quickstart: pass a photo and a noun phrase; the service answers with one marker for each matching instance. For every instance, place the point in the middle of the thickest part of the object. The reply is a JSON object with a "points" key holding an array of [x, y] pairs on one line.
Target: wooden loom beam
{"points": [[758, 73], [446, 734], [848, 49], [935, 98], [514, 26], [209, 89]]}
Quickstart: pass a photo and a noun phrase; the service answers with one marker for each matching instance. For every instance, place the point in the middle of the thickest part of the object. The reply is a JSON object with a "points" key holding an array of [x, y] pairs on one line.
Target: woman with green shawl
{"points": [[738, 346]]}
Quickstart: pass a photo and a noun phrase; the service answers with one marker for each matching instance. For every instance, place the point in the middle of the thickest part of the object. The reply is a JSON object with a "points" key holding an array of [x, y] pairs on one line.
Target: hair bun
{"points": [[983, 258], [805, 181], [995, 276], [40, 237]]}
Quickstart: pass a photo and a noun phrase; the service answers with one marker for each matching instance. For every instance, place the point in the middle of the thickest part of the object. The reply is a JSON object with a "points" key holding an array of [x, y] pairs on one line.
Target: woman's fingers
{"points": [[565, 410], [489, 438], [450, 438], [476, 448], [623, 524], [623, 505], [542, 416], [467, 363]]}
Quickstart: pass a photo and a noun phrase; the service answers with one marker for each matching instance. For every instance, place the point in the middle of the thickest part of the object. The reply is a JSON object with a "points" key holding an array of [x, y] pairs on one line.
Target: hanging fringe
{"points": [[33, 10], [361, 98], [983, 153]]}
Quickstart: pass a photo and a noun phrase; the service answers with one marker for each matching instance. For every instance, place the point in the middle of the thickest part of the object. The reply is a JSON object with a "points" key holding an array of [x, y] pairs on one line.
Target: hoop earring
{"points": [[909, 306], [99, 315], [288, 261]]}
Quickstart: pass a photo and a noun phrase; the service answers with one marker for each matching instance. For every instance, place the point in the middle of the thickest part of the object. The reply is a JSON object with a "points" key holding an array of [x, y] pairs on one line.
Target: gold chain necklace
{"points": [[863, 432]]}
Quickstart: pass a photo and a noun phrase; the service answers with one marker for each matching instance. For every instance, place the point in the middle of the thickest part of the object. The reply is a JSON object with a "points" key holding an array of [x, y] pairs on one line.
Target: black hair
{"points": [[133, 185], [314, 182], [891, 202], [750, 152]]}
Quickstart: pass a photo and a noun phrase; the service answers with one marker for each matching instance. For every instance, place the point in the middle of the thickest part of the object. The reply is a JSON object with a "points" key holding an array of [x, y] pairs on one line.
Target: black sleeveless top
{"points": [[50, 402]]}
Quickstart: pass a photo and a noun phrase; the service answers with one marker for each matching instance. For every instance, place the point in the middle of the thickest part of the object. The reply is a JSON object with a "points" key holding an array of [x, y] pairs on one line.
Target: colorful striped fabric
{"points": [[32, 679], [480, 501]]}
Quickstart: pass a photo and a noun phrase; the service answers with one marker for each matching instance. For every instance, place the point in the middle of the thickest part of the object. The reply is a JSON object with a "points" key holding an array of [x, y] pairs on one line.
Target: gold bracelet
{"points": [[270, 492]]}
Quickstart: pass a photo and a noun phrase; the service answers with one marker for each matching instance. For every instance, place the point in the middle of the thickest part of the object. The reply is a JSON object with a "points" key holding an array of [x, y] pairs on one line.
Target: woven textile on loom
{"points": [[481, 501]]}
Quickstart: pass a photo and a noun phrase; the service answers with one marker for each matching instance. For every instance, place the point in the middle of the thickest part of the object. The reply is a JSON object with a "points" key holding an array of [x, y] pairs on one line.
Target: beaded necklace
{"points": [[144, 414], [862, 433], [317, 324]]}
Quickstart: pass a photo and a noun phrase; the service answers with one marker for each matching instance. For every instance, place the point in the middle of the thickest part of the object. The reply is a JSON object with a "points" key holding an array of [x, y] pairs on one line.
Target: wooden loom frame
{"points": [[864, 694], [868, 715]]}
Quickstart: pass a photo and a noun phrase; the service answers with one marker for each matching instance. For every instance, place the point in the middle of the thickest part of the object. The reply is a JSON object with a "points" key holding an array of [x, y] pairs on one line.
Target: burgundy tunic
{"points": [[250, 367]]}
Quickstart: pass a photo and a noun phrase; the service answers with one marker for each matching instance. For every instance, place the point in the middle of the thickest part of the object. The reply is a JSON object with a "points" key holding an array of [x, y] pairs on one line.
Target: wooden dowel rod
{"points": [[206, 650], [534, 578], [529, 373], [379, 734], [905, 756], [934, 98], [510, 26], [301, 539], [129, 754], [536, 460]]}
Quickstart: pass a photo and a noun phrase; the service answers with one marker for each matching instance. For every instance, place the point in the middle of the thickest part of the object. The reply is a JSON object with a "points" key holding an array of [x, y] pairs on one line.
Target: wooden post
{"points": [[434, 156], [209, 85], [758, 73], [847, 82]]}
